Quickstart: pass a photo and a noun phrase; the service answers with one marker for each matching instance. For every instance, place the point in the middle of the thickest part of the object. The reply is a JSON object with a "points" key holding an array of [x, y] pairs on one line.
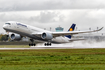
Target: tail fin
{"points": [[71, 29]]}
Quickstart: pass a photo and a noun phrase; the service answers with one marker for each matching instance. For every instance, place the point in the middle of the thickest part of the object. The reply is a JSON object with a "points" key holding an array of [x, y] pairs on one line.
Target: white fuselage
{"points": [[27, 30]]}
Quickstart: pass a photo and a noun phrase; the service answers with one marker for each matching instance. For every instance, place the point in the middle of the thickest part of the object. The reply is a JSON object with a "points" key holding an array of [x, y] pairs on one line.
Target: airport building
{"points": [[59, 29]]}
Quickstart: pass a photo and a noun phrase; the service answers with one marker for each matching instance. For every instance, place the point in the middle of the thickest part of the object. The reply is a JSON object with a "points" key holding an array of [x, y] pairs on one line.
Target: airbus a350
{"points": [[20, 30]]}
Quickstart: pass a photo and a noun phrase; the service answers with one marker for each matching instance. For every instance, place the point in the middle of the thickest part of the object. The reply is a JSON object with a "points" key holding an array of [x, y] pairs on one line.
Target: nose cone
{"points": [[4, 26]]}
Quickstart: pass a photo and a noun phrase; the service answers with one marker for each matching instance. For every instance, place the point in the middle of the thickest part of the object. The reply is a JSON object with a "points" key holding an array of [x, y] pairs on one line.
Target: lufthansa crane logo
{"points": [[71, 29]]}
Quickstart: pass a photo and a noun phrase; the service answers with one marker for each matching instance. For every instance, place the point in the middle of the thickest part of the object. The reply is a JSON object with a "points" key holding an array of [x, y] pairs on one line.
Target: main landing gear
{"points": [[48, 44], [32, 44]]}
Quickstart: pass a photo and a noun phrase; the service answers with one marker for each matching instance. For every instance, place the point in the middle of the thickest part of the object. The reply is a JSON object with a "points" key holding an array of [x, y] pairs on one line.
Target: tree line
{"points": [[3, 37]]}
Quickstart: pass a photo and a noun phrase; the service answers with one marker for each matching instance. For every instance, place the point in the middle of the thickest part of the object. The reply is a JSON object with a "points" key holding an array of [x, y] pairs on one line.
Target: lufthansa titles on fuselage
{"points": [[21, 24]]}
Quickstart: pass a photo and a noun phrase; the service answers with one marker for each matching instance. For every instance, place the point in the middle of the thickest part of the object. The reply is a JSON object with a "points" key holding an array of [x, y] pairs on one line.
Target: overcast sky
{"points": [[52, 13]]}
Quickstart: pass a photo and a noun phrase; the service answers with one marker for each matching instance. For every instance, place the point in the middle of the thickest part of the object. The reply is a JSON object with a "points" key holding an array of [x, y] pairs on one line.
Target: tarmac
{"points": [[35, 48], [74, 45], [48, 48]]}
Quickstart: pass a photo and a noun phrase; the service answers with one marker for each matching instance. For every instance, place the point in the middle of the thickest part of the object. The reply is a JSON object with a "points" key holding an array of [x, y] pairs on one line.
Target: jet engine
{"points": [[46, 36], [16, 37]]}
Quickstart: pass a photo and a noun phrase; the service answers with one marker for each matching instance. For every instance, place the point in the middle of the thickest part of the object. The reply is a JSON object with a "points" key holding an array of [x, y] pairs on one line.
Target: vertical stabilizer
{"points": [[71, 29]]}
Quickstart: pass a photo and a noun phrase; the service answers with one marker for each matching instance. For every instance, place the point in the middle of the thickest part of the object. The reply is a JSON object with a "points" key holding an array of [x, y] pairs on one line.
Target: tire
{"points": [[34, 44], [29, 44], [45, 44], [50, 44]]}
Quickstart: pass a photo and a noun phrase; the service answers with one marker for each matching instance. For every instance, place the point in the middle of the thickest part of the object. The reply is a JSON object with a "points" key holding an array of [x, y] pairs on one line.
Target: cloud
{"points": [[29, 16], [47, 17], [87, 18], [84, 18], [11, 16], [36, 18], [25, 5], [85, 13]]}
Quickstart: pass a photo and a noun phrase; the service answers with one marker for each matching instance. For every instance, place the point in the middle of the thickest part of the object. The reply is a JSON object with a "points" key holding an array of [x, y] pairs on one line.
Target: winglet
{"points": [[99, 29]]}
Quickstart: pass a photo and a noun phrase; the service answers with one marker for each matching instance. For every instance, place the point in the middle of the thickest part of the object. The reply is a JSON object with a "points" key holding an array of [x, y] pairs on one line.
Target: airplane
{"points": [[37, 34]]}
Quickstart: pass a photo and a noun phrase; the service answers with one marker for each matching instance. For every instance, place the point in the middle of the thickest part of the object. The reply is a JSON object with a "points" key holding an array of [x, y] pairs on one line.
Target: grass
{"points": [[53, 59], [14, 46], [15, 43]]}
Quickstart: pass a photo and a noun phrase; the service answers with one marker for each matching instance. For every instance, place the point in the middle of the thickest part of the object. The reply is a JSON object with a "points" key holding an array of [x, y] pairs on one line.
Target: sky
{"points": [[53, 13]]}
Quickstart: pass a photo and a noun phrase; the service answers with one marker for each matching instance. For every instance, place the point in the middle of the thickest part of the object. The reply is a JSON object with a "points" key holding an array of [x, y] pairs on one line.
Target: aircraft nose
{"points": [[4, 26]]}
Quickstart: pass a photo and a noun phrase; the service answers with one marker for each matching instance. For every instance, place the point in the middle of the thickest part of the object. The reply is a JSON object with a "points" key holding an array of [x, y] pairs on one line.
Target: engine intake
{"points": [[47, 36], [15, 37]]}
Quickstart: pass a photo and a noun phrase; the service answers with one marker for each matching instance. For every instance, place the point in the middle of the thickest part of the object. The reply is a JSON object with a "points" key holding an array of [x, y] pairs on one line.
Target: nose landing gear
{"points": [[32, 44]]}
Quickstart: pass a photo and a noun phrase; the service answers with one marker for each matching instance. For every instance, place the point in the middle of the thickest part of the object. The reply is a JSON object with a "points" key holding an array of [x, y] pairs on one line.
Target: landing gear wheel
{"points": [[50, 44], [29, 44], [32, 44], [47, 44]]}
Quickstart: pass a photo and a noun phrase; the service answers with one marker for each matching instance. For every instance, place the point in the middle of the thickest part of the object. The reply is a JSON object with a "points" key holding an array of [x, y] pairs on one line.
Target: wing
{"points": [[56, 34]]}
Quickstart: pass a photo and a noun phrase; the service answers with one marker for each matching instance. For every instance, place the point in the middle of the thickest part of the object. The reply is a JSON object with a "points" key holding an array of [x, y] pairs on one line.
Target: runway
{"points": [[74, 45], [36, 48], [46, 48]]}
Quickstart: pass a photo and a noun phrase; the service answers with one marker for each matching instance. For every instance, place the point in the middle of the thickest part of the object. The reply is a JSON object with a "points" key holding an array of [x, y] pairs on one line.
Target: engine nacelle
{"points": [[47, 36], [16, 37]]}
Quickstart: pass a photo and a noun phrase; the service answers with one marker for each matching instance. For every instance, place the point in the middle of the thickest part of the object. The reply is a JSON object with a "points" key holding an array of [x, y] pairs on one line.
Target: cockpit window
{"points": [[8, 23]]}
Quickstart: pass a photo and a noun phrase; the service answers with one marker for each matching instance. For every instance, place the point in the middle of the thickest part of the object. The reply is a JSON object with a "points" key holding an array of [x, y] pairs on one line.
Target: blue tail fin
{"points": [[71, 29]]}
